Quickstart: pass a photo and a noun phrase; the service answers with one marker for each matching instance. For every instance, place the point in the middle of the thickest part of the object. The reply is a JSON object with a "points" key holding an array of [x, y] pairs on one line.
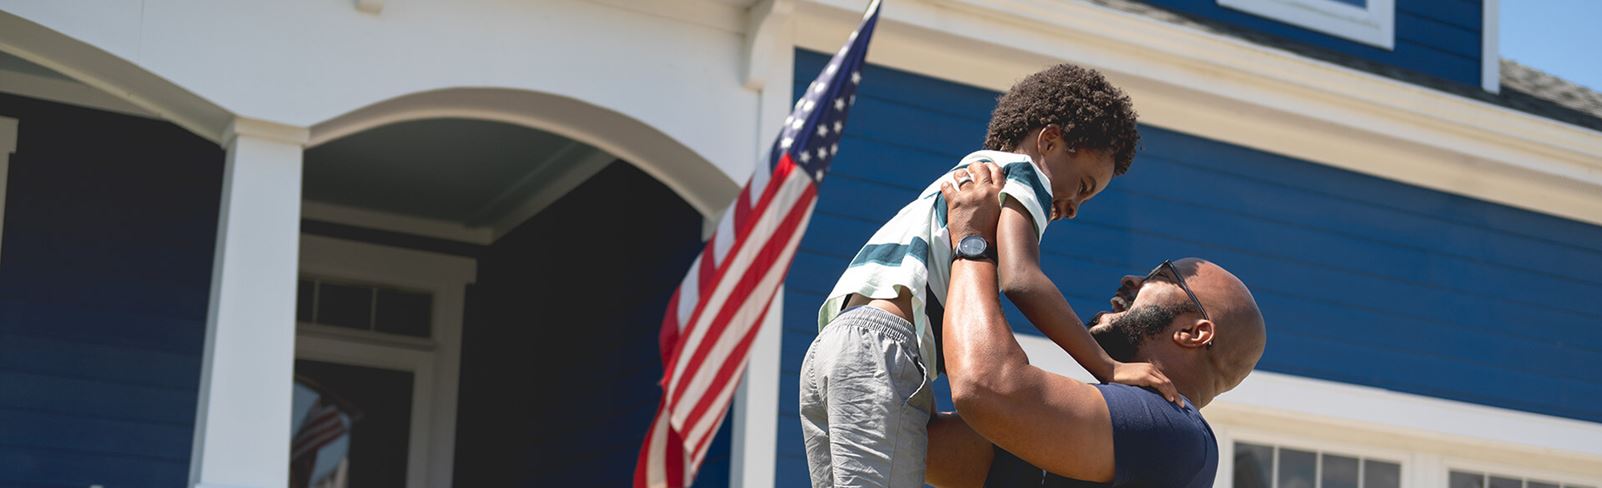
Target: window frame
{"points": [[434, 362], [373, 334], [1525, 473], [1374, 25], [1227, 440]]}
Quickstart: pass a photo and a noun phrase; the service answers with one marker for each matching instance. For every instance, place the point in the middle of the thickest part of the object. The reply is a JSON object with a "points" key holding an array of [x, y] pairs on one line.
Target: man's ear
{"points": [[1199, 334]]}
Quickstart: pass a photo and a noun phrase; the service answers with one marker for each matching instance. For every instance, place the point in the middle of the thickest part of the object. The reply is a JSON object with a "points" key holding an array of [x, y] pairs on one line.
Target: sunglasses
{"points": [[1179, 279]]}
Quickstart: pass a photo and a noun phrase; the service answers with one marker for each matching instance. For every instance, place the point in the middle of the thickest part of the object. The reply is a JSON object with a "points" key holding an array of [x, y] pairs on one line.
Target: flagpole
{"points": [[723, 302]]}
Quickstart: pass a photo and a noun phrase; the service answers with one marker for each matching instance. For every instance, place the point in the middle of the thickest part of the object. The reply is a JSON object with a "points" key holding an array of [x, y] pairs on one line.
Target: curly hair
{"points": [[1092, 113]]}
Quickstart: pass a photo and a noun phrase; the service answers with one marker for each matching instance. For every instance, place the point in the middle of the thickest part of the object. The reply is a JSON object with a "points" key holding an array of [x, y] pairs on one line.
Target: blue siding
{"points": [[1439, 38], [104, 278], [1363, 280]]}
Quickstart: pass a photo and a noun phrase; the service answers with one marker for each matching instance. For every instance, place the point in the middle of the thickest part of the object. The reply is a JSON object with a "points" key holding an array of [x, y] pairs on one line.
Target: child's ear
{"points": [[1049, 138], [1052, 134]]}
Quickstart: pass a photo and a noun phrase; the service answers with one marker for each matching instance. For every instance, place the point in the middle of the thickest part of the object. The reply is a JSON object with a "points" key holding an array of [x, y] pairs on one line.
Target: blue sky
{"points": [[1561, 37]]}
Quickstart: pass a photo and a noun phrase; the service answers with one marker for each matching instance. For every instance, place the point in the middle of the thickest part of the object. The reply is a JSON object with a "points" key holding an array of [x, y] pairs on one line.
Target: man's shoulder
{"points": [[1152, 437], [1140, 405]]}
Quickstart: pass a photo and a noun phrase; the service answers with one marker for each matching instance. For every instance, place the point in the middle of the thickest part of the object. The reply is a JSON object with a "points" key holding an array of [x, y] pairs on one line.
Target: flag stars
{"points": [[856, 77], [806, 156], [819, 87], [808, 105], [839, 103], [823, 130], [839, 126]]}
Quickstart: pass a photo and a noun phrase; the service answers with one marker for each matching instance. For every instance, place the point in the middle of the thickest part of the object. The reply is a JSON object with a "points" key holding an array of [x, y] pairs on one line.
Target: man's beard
{"points": [[1123, 337]]}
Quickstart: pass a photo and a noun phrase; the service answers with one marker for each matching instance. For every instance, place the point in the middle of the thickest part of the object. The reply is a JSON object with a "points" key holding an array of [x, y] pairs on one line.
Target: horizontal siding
{"points": [[1438, 294], [1438, 38], [104, 278]]}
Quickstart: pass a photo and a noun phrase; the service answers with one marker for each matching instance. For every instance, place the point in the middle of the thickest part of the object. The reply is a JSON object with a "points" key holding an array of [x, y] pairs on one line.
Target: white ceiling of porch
{"points": [[471, 172]]}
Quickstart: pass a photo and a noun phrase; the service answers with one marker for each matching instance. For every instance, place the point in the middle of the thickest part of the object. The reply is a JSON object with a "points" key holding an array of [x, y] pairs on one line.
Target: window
{"points": [[1473, 479], [1265, 466], [358, 306], [1370, 22]]}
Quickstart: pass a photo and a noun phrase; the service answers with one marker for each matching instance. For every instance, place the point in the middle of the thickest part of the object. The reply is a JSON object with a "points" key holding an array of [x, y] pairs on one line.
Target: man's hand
{"points": [[1146, 374], [974, 203]]}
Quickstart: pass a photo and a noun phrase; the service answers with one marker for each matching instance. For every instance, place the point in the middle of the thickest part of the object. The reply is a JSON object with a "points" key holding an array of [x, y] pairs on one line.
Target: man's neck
{"points": [[1190, 379]]}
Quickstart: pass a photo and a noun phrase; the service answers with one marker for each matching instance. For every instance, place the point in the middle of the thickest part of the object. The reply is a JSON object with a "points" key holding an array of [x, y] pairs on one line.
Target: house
{"points": [[465, 219]]}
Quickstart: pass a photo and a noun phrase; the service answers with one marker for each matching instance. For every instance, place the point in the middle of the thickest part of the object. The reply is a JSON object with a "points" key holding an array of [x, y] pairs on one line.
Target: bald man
{"points": [[1018, 425]]}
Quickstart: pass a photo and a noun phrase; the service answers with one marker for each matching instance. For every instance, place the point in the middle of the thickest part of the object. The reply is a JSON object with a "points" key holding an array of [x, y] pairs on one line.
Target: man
{"points": [[1020, 425]]}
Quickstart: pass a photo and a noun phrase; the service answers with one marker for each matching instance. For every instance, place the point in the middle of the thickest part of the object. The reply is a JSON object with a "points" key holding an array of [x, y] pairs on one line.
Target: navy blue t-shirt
{"points": [[1155, 444]]}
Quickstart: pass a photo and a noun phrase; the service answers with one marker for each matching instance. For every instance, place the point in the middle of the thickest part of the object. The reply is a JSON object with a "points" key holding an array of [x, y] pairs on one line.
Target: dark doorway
{"points": [[379, 438]]}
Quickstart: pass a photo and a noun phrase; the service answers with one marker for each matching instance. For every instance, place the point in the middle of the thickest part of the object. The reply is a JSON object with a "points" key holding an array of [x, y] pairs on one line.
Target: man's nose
{"points": [[1131, 282]]}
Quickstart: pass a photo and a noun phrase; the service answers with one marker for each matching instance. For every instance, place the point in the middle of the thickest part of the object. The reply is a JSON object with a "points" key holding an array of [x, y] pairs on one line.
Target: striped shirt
{"points": [[900, 258]]}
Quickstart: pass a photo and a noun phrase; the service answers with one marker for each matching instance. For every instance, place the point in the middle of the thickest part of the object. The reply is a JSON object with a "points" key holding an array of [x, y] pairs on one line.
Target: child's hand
{"points": [[1146, 374]]}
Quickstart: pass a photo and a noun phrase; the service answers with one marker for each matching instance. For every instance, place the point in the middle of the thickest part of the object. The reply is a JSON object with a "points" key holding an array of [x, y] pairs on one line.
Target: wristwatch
{"points": [[976, 248]]}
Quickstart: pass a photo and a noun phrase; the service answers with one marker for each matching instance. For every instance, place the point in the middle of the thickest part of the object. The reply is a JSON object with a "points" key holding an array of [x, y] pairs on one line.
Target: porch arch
{"points": [[692, 177], [119, 77]]}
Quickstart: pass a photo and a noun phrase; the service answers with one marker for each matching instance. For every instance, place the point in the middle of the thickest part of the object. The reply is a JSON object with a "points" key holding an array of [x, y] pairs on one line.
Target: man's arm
{"points": [[1049, 420], [957, 456]]}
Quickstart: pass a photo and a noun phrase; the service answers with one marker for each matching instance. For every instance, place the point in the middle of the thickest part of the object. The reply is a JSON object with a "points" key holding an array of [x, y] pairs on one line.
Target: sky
{"points": [[1562, 37]]}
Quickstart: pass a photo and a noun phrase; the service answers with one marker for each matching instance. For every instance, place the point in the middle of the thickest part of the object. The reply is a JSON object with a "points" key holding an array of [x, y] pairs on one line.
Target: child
{"points": [[1060, 136]]}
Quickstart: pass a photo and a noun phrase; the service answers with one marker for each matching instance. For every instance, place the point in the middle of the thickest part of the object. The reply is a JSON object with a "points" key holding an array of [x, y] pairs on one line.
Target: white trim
{"points": [[1362, 451], [723, 15], [767, 27], [546, 182], [111, 74], [66, 91], [753, 454], [1491, 46], [265, 130], [754, 461], [240, 436], [688, 174], [405, 224], [1362, 415], [8, 145], [370, 6], [1495, 467], [434, 362], [1374, 24], [1241, 93]]}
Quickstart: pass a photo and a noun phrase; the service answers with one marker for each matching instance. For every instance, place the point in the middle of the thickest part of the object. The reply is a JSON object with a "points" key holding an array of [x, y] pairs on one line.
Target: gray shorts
{"points": [[865, 402]]}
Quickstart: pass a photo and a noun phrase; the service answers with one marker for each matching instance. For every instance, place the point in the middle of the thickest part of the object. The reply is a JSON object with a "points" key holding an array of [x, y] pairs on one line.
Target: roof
{"points": [[1524, 89], [1545, 86]]}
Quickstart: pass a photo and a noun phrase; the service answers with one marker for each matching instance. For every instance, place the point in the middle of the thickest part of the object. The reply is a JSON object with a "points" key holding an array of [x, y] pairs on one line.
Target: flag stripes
{"points": [[715, 314]]}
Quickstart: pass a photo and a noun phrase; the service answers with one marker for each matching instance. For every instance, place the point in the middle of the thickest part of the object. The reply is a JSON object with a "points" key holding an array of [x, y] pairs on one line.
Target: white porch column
{"points": [[242, 423], [770, 63]]}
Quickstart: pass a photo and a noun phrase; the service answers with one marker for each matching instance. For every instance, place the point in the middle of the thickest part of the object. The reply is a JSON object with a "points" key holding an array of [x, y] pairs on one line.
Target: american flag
{"points": [[717, 309], [324, 425]]}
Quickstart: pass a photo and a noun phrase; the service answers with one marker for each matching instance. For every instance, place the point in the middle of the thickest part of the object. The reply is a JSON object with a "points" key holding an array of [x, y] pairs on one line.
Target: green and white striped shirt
{"points": [[912, 251]]}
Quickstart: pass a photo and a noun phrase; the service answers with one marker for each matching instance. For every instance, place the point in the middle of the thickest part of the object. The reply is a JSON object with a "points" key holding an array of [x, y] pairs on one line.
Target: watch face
{"points": [[971, 246]]}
